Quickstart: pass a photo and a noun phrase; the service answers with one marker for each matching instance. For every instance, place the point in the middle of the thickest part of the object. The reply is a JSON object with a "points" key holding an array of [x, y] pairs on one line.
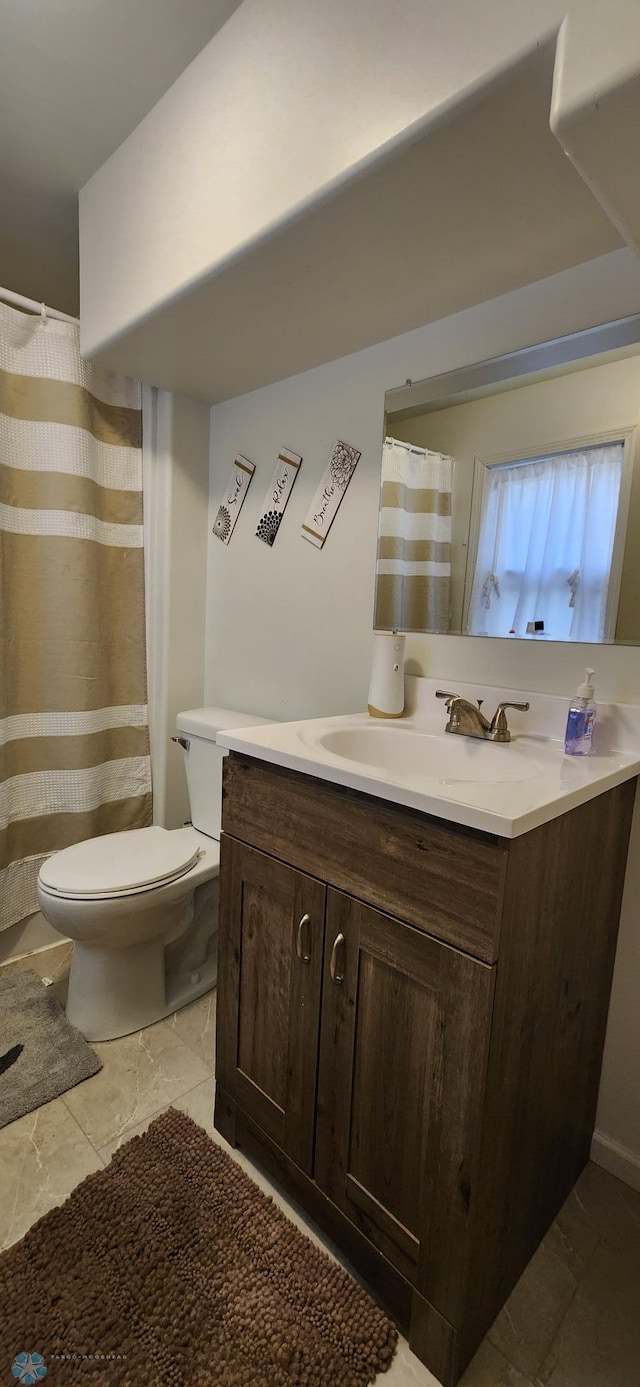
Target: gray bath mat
{"points": [[41, 1053]]}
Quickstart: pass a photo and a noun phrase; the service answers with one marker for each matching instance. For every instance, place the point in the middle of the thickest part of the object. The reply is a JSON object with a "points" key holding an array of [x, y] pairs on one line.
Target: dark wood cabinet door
{"points": [[271, 933], [403, 1051]]}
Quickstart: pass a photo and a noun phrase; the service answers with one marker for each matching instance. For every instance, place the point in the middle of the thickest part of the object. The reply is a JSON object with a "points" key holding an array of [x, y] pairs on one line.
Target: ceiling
{"points": [[483, 205], [76, 76]]}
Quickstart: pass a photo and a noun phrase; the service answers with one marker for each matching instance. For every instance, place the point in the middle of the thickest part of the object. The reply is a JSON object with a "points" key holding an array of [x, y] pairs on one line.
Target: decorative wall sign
{"points": [[278, 494], [324, 507], [233, 498]]}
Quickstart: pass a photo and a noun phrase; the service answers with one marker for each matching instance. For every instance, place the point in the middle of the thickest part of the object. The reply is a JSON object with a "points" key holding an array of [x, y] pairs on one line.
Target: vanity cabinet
{"points": [[402, 1056], [411, 1017], [269, 1022]]}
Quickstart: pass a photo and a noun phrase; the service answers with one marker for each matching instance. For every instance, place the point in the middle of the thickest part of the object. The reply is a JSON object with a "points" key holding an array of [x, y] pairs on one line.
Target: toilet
{"points": [[142, 905]]}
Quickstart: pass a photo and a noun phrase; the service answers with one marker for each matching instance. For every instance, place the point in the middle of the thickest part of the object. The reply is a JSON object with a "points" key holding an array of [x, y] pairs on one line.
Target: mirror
{"points": [[510, 496]]}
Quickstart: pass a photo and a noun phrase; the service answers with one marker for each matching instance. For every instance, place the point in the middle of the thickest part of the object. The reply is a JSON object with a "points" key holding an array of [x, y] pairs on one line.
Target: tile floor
{"points": [[573, 1320]]}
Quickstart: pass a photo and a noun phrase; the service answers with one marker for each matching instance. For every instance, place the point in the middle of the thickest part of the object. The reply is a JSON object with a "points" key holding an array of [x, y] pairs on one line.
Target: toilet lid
{"points": [[120, 862]]}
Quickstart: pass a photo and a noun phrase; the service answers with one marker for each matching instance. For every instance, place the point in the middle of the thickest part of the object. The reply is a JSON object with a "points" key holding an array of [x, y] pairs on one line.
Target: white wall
{"points": [[176, 505], [289, 629]]}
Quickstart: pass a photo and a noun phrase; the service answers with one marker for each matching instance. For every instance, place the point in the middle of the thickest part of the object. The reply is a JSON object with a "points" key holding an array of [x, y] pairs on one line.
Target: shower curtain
{"points": [[74, 739], [413, 569]]}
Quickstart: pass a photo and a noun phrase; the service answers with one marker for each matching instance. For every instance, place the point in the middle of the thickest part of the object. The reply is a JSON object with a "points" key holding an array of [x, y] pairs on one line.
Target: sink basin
{"points": [[400, 751]]}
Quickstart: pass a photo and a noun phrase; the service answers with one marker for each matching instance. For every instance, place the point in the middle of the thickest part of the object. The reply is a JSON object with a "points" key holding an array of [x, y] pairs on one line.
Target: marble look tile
{"points": [[407, 1370], [60, 990], [197, 1102], [525, 1327], [141, 1075], [598, 1344], [43, 1155], [608, 1206], [55, 963], [490, 1369], [196, 1026], [578, 1236]]}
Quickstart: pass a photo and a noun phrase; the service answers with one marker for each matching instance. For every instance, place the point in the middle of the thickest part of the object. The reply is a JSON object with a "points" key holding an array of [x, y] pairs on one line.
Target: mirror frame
{"points": [[470, 382]]}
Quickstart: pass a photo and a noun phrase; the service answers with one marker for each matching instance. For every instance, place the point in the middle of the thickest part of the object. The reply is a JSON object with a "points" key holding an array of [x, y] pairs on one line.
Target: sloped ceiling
{"points": [[485, 204], [76, 76]]}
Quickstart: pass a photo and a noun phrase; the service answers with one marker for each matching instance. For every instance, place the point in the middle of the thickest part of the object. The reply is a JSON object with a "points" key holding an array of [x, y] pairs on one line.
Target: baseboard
{"points": [[52, 961], [28, 936], [617, 1159]]}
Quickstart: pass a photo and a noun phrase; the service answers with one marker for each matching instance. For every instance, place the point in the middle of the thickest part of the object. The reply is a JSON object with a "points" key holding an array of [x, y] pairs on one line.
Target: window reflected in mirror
{"points": [[511, 507], [544, 547]]}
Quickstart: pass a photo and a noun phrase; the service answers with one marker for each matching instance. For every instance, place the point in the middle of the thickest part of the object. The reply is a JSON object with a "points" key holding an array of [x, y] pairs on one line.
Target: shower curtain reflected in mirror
{"points": [[74, 740], [413, 567]]}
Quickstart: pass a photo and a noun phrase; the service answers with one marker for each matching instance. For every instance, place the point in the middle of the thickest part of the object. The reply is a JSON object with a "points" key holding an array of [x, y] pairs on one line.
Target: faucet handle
{"points": [[499, 721], [442, 693]]}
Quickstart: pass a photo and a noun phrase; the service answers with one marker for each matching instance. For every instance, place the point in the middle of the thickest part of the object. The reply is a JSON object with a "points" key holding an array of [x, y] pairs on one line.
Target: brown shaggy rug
{"points": [[171, 1267]]}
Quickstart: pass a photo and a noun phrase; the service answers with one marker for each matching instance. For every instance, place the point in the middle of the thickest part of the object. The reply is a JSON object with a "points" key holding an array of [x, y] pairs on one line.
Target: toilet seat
{"points": [[120, 864]]}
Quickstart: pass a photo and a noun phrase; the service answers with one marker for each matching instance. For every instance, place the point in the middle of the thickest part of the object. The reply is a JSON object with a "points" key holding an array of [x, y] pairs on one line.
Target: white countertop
{"points": [[539, 784]]}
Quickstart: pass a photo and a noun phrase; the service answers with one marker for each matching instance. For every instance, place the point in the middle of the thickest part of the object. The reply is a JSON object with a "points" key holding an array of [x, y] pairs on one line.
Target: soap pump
{"points": [[581, 719]]}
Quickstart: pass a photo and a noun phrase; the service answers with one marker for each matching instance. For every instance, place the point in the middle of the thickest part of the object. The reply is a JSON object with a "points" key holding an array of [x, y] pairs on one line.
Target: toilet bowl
{"points": [[141, 905]]}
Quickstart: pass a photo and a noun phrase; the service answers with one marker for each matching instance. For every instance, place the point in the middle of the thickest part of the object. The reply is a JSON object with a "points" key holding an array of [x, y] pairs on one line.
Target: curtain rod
{"points": [[412, 448], [32, 306]]}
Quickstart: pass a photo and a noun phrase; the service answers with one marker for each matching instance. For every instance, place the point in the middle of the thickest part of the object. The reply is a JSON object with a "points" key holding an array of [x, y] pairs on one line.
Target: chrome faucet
{"points": [[468, 720]]}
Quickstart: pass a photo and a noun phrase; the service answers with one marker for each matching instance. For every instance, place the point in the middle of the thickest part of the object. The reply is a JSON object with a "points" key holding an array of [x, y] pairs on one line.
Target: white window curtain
{"points": [[545, 545]]}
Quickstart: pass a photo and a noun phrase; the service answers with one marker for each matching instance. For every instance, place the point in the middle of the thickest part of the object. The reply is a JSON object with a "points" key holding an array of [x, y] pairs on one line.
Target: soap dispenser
{"points": [[581, 719]]}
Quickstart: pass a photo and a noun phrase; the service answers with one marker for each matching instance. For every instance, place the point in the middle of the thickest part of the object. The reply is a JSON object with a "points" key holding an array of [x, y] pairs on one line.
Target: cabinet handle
{"points": [[333, 961], [303, 954]]}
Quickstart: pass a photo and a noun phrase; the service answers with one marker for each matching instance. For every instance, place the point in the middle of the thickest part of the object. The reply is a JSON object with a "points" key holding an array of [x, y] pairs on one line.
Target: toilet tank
{"points": [[203, 760]]}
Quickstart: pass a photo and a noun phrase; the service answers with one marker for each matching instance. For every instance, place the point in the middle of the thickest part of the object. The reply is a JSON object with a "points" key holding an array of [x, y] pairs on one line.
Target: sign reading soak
{"points": [[278, 495], [324, 507], [233, 498]]}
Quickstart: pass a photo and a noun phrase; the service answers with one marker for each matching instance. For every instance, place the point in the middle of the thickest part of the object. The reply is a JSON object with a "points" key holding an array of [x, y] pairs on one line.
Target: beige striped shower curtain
{"points": [[413, 568], [74, 740]]}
